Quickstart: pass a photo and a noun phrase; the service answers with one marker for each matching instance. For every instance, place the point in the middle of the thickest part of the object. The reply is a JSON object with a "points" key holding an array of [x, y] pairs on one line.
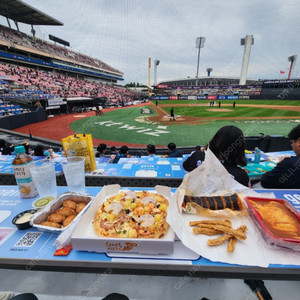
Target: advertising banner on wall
{"points": [[192, 97], [211, 97], [163, 97], [203, 97], [173, 97], [222, 97]]}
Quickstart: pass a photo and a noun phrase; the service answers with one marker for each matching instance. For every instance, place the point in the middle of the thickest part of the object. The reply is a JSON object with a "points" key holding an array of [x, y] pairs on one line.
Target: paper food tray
{"points": [[84, 237], [290, 219], [43, 213]]}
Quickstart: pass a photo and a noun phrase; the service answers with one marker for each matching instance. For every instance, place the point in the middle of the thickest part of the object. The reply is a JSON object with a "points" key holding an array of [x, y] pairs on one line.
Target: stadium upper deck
{"points": [[20, 47]]}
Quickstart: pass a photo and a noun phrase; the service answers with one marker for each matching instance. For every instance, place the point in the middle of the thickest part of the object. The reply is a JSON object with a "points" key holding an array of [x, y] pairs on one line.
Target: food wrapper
{"points": [[81, 145], [211, 179]]}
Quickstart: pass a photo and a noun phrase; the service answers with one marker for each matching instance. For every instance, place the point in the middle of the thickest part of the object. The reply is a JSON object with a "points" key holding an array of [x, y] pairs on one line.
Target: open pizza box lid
{"points": [[84, 237]]}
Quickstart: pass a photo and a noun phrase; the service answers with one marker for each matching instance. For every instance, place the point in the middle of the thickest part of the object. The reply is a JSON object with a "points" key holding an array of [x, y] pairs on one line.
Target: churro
{"points": [[211, 222]]}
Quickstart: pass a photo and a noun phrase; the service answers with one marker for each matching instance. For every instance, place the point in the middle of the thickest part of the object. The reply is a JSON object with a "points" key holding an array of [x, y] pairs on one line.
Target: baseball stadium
{"points": [[59, 95], [155, 166]]}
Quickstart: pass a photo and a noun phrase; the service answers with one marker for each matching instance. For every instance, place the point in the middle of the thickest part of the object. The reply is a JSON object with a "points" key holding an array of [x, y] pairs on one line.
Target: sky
{"points": [[125, 33]]}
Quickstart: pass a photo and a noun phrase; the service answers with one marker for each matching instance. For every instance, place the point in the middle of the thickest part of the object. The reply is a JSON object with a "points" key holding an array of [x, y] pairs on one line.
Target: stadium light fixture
{"points": [[247, 42], [199, 44], [156, 63], [292, 59]]}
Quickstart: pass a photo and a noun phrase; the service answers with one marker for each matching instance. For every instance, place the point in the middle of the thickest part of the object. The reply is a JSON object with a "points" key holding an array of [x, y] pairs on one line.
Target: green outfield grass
{"points": [[239, 101], [127, 125], [256, 112]]}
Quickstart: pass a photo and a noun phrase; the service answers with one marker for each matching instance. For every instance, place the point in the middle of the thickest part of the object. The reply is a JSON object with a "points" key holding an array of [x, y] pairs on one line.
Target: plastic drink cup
{"points": [[43, 175], [73, 168]]}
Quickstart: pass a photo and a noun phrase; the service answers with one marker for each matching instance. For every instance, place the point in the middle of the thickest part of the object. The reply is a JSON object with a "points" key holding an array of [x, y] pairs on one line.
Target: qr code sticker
{"points": [[28, 239]]}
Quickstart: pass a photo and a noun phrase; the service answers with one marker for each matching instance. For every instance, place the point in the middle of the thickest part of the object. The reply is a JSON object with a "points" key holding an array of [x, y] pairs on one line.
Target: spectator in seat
{"points": [[28, 151], [194, 160], [40, 151], [122, 153], [4, 148], [151, 150], [101, 149], [172, 151], [286, 174], [228, 145], [113, 150]]}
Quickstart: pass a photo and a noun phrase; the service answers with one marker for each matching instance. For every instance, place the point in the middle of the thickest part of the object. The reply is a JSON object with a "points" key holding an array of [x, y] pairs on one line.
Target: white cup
{"points": [[43, 176], [73, 168]]}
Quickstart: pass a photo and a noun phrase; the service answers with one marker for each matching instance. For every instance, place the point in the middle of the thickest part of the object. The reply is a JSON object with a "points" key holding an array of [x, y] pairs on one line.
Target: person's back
{"points": [[228, 145], [286, 174], [101, 149], [151, 150], [122, 153], [172, 151]]}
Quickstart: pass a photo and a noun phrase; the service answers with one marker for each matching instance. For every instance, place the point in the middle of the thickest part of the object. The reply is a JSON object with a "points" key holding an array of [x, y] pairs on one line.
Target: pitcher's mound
{"points": [[167, 120]]}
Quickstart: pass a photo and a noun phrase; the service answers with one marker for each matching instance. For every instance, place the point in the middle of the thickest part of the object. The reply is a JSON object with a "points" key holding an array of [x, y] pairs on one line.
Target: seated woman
{"points": [[228, 145]]}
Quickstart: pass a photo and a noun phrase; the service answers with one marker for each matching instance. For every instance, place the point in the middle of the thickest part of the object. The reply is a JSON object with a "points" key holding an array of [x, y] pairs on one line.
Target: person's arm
{"points": [[278, 177]]}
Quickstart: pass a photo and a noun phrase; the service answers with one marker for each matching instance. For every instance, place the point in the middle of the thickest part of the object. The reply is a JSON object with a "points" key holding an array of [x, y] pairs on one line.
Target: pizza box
{"points": [[279, 223], [84, 237]]}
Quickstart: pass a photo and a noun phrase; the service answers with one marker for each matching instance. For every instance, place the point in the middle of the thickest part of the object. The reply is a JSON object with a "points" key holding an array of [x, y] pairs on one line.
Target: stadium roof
{"points": [[19, 11]]}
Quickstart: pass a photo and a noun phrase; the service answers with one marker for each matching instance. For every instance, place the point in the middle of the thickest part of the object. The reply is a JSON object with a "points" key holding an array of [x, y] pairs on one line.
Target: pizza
{"points": [[132, 215]]}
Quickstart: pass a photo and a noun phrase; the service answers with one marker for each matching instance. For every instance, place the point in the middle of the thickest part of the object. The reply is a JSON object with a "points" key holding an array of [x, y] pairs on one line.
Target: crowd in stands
{"points": [[216, 91], [43, 84], [15, 38]]}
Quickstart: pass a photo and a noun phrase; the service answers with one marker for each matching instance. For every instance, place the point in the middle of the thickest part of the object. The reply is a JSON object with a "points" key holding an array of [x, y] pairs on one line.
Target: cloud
{"points": [[124, 33]]}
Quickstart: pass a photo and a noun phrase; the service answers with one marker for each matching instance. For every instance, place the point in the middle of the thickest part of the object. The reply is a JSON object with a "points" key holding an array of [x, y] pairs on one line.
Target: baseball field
{"points": [[195, 121]]}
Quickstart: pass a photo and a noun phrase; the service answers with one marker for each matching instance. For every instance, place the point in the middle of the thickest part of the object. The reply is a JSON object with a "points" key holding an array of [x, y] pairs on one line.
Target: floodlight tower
{"points": [[199, 44], [292, 59], [156, 63], [209, 70], [248, 41]]}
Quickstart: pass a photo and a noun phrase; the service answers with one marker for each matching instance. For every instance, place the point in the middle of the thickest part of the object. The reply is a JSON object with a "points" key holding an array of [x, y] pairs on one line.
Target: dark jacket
{"points": [[175, 153], [194, 161], [286, 175]]}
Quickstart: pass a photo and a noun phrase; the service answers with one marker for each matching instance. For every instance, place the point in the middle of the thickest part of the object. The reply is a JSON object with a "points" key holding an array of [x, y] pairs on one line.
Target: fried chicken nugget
{"points": [[56, 218], [79, 207], [51, 224], [219, 241], [65, 211], [69, 203], [237, 233], [232, 240], [211, 222], [68, 220], [206, 231]]}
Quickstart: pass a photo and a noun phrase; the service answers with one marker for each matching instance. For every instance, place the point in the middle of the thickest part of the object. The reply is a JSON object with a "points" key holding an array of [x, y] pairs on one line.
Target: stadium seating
{"points": [[13, 37], [40, 84]]}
